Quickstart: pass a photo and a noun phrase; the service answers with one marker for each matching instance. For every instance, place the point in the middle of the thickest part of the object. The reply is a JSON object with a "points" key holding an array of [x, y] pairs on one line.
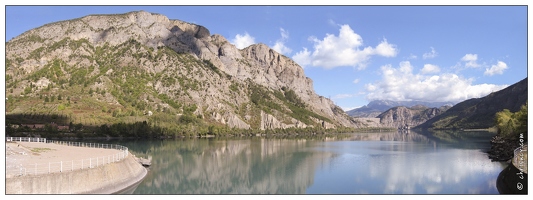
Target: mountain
{"points": [[413, 116], [376, 107], [480, 112], [140, 66]]}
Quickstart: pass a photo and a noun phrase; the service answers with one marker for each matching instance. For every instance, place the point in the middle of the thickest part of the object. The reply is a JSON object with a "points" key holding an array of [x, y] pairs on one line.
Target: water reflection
{"points": [[362, 163], [399, 165], [253, 166]]}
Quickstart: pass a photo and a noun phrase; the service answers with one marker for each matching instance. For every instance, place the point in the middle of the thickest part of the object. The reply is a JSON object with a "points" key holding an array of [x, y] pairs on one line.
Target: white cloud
{"points": [[279, 46], [243, 41], [471, 60], [431, 54], [385, 49], [303, 57], [401, 84], [411, 57], [356, 81], [496, 69], [430, 69], [346, 49]]}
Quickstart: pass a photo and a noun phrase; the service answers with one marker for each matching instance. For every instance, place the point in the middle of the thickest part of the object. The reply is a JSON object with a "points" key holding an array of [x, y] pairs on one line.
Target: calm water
{"points": [[359, 163]]}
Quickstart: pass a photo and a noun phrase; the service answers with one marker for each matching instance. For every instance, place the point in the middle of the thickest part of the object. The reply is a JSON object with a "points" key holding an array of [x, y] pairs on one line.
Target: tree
{"points": [[509, 124], [521, 117]]}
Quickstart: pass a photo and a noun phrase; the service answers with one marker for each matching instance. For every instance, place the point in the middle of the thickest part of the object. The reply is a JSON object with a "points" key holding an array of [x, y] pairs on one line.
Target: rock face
{"points": [[145, 60], [376, 107], [401, 116]]}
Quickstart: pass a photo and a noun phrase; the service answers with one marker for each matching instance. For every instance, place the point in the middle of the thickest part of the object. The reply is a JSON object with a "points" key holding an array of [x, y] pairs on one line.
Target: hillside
{"points": [[413, 116], [143, 67], [376, 107], [480, 112]]}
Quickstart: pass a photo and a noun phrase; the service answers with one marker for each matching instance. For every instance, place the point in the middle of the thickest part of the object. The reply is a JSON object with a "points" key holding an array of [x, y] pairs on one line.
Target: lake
{"points": [[358, 163]]}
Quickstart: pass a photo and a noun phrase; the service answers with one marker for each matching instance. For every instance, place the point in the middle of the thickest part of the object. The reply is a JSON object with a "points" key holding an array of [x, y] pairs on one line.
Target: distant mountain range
{"points": [[376, 107], [470, 114], [480, 112]]}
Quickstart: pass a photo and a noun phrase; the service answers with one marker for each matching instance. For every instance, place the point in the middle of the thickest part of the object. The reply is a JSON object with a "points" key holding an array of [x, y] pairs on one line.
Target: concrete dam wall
{"points": [[107, 179]]}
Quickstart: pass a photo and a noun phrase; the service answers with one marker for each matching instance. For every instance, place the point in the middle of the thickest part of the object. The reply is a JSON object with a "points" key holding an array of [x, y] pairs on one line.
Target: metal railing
{"points": [[67, 165], [520, 158]]}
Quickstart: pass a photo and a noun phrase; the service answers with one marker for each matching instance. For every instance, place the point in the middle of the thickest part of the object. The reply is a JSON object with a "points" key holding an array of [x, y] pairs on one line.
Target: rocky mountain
{"points": [[140, 66], [413, 116], [480, 112], [376, 107]]}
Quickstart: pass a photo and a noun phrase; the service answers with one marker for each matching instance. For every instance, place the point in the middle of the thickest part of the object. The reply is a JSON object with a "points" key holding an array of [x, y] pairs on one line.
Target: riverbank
{"points": [[513, 179], [502, 149], [103, 179]]}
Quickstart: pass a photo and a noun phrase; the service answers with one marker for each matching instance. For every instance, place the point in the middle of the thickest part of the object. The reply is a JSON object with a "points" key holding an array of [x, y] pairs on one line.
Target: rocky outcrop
{"points": [[270, 122], [184, 62], [236, 122], [401, 116], [502, 149], [376, 107]]}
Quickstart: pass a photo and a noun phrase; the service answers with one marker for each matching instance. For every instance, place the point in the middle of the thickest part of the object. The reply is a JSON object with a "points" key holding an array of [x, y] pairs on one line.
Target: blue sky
{"points": [[355, 54]]}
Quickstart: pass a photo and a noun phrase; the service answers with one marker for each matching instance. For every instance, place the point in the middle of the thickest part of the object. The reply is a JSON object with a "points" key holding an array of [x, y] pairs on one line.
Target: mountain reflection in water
{"points": [[358, 163]]}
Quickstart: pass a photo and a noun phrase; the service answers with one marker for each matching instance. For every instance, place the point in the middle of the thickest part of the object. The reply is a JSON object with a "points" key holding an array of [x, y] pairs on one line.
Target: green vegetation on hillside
{"points": [[511, 124], [110, 91], [478, 113]]}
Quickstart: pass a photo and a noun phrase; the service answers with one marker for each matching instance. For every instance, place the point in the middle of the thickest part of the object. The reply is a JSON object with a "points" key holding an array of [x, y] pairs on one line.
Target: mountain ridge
{"points": [[480, 112], [137, 63], [401, 116], [376, 107]]}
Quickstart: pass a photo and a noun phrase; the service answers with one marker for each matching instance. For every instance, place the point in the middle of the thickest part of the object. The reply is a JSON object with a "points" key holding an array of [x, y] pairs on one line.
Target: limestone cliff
{"points": [[121, 66], [413, 116]]}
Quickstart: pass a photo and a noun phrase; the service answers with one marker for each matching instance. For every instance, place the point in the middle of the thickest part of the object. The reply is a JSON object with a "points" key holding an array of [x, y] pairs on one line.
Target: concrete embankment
{"points": [[513, 179], [107, 179]]}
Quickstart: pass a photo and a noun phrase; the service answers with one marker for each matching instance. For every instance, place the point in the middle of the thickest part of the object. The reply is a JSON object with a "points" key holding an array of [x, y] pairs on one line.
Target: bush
{"points": [[510, 124]]}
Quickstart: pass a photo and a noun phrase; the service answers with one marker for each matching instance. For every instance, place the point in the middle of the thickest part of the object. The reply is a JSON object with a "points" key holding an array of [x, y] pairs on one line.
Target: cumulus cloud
{"points": [[303, 57], [430, 69], [243, 41], [385, 49], [412, 56], [496, 69], [346, 49], [401, 84], [471, 60], [431, 54], [279, 46], [356, 81]]}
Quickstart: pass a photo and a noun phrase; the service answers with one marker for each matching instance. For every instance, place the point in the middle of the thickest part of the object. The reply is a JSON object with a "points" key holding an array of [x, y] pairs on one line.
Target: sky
{"points": [[355, 54]]}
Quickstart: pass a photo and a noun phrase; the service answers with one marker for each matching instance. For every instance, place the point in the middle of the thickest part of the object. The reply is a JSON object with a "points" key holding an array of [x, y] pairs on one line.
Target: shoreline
{"points": [[502, 150]]}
